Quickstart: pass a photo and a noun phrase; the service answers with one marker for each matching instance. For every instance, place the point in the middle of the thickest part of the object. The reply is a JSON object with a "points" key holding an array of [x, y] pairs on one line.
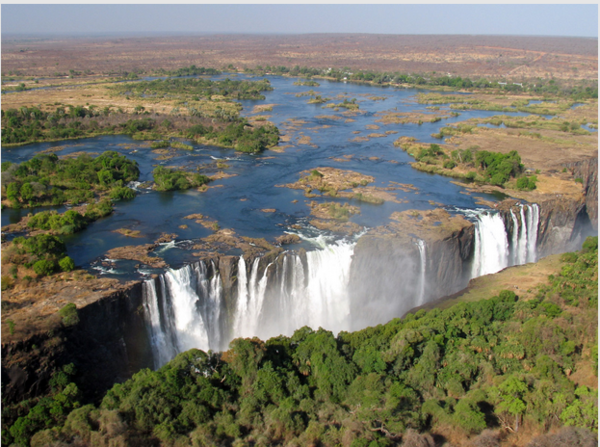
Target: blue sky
{"points": [[509, 19]]}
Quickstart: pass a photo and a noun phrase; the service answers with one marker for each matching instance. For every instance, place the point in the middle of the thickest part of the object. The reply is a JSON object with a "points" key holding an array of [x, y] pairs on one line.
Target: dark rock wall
{"points": [[559, 225], [587, 170], [108, 345]]}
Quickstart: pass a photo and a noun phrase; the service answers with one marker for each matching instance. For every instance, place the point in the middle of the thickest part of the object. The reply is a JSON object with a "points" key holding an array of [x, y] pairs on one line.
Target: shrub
{"points": [[7, 282], [590, 244], [44, 267], [122, 192], [449, 164], [69, 315], [66, 264]]}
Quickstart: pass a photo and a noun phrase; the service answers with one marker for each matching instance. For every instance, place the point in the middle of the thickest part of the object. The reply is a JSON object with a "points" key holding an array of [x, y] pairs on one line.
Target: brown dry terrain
{"points": [[474, 56]]}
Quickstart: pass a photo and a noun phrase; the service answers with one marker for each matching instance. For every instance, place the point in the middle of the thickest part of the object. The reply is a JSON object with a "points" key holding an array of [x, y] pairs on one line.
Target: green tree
{"points": [[509, 397]]}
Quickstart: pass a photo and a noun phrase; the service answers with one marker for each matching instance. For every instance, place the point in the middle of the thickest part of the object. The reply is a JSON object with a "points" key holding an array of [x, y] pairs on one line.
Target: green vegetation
{"points": [[200, 88], [350, 105], [536, 122], [493, 168], [192, 70], [307, 83], [44, 253], [48, 180], [318, 99], [172, 179], [498, 168], [239, 136], [69, 315], [527, 183], [49, 411], [367, 198], [30, 124], [206, 102], [69, 222], [495, 363], [339, 212]]}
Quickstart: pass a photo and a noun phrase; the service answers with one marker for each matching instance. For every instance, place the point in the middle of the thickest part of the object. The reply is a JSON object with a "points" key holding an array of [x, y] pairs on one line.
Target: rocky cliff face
{"points": [[387, 276], [108, 345], [587, 171]]}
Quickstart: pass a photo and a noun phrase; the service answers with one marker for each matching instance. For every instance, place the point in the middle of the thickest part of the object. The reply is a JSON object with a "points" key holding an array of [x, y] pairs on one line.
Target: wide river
{"points": [[238, 202]]}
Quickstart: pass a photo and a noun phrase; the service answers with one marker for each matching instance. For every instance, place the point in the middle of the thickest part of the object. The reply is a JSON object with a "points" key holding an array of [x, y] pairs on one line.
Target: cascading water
{"points": [[493, 251], [186, 309], [177, 320], [533, 221], [423, 258]]}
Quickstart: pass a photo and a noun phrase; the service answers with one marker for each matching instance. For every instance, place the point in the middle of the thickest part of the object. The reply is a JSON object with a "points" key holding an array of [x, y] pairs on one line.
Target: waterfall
{"points": [[184, 312], [493, 251], [491, 245], [515, 239], [533, 221], [184, 308], [423, 269]]}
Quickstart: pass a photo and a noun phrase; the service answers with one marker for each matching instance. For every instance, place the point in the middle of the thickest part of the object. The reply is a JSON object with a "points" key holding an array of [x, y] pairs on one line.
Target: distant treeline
{"points": [[200, 88], [480, 369], [538, 87], [192, 70]]}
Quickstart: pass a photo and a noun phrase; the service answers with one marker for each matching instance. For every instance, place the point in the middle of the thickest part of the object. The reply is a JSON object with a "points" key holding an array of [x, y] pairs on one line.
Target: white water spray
{"points": [[493, 251], [187, 310], [423, 258]]}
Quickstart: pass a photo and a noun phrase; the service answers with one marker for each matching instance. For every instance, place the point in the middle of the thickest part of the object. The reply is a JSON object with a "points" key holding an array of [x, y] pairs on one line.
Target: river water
{"points": [[238, 202]]}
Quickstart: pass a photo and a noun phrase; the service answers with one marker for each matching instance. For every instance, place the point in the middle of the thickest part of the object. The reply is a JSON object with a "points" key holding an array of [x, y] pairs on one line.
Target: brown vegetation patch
{"points": [[263, 108], [388, 117], [77, 154], [306, 141], [203, 220], [326, 178], [220, 176], [137, 253], [226, 240], [521, 279], [37, 305], [328, 117], [287, 239], [548, 152], [127, 232], [165, 238], [406, 187], [359, 139], [522, 56]]}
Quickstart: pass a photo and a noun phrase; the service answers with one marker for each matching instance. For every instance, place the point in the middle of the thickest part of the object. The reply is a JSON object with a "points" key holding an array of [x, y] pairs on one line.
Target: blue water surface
{"points": [[243, 201]]}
